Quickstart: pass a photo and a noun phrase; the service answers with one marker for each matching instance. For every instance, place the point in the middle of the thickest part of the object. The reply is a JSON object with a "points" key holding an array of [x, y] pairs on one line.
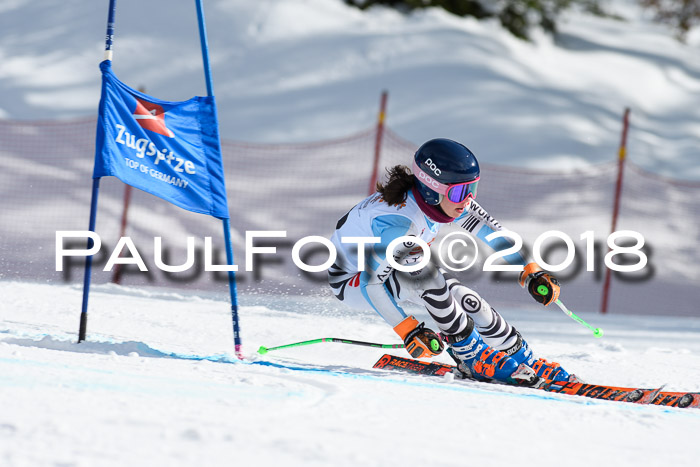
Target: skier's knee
{"points": [[418, 282], [430, 278], [469, 300]]}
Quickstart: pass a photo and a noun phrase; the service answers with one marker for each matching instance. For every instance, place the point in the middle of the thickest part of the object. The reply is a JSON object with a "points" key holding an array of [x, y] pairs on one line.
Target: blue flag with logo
{"points": [[168, 149]]}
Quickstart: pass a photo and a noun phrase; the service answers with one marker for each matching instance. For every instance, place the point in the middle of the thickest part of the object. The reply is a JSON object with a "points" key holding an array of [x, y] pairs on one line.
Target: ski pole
{"points": [[597, 332], [263, 350]]}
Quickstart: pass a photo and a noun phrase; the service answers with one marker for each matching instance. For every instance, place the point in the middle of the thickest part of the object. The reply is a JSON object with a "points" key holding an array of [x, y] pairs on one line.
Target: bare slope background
{"points": [[304, 70]]}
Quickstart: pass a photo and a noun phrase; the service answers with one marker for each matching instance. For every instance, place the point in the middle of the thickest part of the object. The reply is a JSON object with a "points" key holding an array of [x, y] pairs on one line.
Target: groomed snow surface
{"points": [[157, 384]]}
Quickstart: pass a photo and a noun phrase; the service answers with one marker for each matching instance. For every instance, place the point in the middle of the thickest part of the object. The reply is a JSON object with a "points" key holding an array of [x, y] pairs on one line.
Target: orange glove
{"points": [[543, 287], [420, 341]]}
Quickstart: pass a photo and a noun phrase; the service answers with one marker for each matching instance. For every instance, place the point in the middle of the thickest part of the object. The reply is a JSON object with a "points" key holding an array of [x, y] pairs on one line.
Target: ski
{"points": [[678, 399], [594, 391]]}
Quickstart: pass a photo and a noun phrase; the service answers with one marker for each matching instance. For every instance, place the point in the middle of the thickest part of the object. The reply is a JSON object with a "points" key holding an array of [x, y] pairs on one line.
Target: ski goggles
{"points": [[456, 192]]}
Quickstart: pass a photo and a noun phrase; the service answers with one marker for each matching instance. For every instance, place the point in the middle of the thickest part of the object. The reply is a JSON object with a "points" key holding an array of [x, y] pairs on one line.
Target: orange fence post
{"points": [[378, 144], [117, 272], [616, 206]]}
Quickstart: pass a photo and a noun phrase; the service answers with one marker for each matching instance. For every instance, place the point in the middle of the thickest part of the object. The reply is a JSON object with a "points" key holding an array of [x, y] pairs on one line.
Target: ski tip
{"points": [[262, 350]]}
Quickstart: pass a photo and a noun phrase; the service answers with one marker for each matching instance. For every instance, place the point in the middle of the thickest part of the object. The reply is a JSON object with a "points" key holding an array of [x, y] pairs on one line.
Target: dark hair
{"points": [[395, 190]]}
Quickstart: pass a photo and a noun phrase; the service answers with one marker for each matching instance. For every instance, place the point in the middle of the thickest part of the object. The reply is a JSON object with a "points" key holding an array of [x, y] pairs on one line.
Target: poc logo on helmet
{"points": [[425, 178], [431, 165]]}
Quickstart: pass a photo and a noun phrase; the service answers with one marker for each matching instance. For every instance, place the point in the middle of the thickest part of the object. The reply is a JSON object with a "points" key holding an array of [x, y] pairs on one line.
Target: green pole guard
{"points": [[597, 332]]}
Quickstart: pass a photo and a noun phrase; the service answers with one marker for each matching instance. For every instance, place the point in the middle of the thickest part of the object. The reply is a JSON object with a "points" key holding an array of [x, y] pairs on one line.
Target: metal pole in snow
{"points": [[82, 331], [226, 222], [88, 262]]}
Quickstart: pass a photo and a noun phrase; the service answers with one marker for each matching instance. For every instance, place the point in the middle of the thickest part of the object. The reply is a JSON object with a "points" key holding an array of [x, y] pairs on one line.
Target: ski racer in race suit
{"points": [[439, 189]]}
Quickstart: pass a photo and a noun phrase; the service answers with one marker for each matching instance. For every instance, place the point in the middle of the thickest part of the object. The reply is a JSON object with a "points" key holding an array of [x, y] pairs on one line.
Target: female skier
{"points": [[439, 190]]}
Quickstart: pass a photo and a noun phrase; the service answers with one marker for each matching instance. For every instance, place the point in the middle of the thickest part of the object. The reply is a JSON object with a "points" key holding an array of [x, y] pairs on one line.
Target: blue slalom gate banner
{"points": [[168, 149]]}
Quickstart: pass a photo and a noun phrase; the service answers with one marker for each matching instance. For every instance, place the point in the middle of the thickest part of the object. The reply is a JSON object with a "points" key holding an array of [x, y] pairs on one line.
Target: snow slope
{"points": [[157, 384], [304, 70]]}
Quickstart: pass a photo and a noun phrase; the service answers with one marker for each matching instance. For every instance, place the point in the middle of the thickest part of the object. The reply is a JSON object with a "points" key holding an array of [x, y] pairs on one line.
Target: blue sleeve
{"points": [[387, 228], [377, 294]]}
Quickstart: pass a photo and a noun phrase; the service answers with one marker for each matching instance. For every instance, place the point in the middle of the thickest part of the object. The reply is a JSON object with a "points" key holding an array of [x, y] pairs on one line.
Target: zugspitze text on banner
{"points": [[168, 149]]}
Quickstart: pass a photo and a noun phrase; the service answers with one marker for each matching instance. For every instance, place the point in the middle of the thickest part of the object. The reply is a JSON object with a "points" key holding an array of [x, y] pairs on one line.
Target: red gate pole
{"points": [[616, 206], [117, 272], [378, 144]]}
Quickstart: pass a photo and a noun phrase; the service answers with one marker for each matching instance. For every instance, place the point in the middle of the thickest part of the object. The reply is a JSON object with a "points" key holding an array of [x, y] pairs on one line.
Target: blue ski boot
{"points": [[477, 360], [521, 353]]}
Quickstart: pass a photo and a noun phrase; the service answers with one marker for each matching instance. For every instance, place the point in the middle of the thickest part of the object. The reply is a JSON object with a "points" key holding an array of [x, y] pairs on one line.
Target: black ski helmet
{"points": [[445, 161]]}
